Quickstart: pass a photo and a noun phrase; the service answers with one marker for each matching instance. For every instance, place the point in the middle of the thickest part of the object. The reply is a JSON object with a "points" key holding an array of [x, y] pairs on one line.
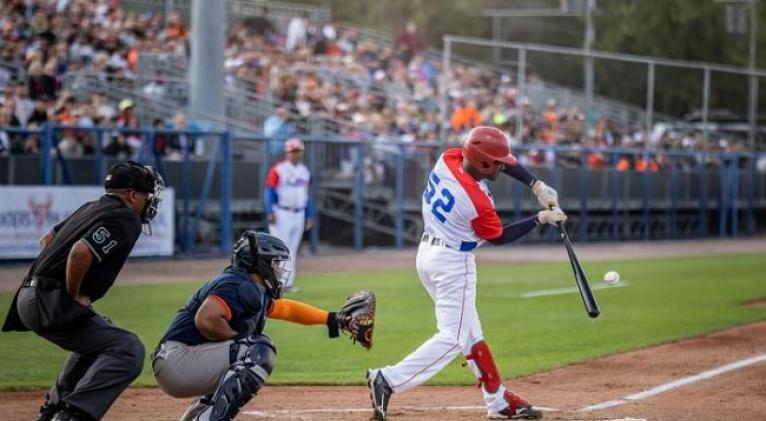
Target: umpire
{"points": [[79, 261]]}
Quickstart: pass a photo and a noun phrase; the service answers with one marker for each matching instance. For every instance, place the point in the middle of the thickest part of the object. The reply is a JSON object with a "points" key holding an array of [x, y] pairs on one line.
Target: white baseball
{"points": [[611, 277]]}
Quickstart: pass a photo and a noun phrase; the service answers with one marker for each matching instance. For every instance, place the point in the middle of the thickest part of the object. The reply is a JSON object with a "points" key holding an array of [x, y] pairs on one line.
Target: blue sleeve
{"points": [[520, 173], [229, 292], [309, 209], [516, 230], [270, 198]]}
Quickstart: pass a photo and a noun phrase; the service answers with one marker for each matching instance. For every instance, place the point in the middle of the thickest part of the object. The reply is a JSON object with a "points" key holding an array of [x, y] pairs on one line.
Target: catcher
{"points": [[215, 348]]}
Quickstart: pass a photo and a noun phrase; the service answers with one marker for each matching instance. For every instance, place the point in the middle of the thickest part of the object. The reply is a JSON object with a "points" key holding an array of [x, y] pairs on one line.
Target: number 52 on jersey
{"points": [[440, 199]]}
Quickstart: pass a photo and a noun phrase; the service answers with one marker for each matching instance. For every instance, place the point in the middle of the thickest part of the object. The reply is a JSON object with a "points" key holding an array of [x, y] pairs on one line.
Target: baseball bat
{"points": [[591, 306]]}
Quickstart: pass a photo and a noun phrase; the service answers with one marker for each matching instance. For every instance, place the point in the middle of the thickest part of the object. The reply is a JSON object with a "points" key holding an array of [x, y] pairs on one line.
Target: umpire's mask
{"points": [[143, 178]]}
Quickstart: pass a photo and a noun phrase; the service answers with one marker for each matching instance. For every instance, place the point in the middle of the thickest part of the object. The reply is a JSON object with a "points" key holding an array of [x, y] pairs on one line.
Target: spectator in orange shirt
{"points": [[623, 164], [466, 116], [644, 165], [597, 161], [550, 114]]}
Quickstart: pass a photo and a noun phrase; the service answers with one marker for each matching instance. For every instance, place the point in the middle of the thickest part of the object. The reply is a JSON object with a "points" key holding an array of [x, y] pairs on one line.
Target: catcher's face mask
{"points": [[272, 269], [281, 273]]}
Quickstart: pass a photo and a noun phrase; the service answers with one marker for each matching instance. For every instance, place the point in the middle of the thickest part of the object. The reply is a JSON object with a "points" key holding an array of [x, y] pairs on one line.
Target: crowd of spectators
{"points": [[388, 92], [43, 40], [368, 88]]}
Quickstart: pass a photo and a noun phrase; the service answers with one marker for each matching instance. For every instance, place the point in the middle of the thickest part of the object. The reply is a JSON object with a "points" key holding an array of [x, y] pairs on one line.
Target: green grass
{"points": [[667, 299]]}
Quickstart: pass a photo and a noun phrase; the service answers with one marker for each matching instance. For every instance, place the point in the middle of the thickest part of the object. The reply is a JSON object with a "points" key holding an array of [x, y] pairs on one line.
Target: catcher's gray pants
{"points": [[104, 360], [185, 371]]}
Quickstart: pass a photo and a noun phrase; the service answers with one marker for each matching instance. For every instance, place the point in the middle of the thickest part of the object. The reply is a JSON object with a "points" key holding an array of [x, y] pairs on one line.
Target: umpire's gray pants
{"points": [[185, 371], [104, 359]]}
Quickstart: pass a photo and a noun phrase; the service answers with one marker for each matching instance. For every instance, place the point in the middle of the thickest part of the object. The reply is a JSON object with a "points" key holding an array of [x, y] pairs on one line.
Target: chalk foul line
{"points": [[676, 383]]}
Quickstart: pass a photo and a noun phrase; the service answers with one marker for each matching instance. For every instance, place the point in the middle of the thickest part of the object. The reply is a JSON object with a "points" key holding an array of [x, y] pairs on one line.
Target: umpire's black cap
{"points": [[130, 175]]}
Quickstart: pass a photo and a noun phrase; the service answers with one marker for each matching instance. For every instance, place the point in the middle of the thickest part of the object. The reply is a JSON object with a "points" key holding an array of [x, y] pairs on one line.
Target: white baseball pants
{"points": [[289, 228], [449, 277]]}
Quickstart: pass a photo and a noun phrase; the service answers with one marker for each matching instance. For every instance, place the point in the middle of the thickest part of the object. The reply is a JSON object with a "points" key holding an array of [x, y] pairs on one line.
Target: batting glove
{"points": [[546, 195], [553, 216]]}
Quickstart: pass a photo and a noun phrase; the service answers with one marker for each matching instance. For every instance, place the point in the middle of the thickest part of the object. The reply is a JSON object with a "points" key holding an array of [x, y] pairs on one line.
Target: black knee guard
{"points": [[244, 378]]}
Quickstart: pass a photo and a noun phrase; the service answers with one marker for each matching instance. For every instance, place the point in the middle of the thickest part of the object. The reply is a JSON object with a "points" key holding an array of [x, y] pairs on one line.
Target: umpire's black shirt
{"points": [[108, 227]]}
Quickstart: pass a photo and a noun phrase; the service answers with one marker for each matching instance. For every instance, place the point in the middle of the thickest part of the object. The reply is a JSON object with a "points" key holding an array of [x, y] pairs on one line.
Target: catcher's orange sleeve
{"points": [[297, 312]]}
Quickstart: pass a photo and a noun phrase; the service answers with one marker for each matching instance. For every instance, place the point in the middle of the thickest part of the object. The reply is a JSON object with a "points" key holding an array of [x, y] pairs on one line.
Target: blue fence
{"points": [[370, 192], [55, 167]]}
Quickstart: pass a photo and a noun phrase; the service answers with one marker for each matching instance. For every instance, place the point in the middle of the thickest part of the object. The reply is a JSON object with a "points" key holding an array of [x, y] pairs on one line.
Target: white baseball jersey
{"points": [[457, 208], [287, 190], [291, 183]]}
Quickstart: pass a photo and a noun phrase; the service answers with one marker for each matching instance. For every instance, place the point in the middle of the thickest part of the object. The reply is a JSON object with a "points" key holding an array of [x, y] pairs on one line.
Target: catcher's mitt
{"points": [[357, 317]]}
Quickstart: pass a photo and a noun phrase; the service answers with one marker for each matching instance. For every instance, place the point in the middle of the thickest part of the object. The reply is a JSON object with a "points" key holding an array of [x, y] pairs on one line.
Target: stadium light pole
{"points": [[752, 108], [590, 36], [206, 73]]}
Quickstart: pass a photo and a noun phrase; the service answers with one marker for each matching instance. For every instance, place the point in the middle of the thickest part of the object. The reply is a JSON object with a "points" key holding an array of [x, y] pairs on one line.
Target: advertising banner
{"points": [[28, 212]]}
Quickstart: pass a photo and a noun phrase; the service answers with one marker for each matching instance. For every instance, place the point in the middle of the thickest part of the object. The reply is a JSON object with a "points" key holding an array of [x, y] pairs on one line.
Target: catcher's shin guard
{"points": [[489, 376], [242, 380]]}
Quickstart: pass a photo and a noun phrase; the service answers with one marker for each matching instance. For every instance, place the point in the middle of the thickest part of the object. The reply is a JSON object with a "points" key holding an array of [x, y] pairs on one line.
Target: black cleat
{"points": [[47, 412], [380, 393], [70, 413]]}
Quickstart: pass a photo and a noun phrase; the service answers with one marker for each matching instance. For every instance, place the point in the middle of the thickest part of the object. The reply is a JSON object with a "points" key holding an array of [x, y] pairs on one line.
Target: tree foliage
{"points": [[678, 29]]}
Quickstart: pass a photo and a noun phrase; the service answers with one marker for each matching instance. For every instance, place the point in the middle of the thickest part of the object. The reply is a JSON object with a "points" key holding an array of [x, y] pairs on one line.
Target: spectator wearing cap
{"points": [[287, 202], [126, 107], [127, 119]]}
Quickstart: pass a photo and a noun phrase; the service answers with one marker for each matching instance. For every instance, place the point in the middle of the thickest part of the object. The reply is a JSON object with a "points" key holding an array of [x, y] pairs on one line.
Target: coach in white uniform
{"points": [[288, 203], [459, 215]]}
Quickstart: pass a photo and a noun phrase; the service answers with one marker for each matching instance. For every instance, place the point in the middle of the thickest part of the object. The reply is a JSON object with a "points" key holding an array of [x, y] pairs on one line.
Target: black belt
{"points": [[35, 281], [296, 210]]}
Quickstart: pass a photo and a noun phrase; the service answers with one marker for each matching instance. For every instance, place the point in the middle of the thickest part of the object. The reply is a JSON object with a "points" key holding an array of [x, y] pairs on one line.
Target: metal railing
{"points": [[13, 71], [651, 64], [56, 167], [376, 187], [280, 12]]}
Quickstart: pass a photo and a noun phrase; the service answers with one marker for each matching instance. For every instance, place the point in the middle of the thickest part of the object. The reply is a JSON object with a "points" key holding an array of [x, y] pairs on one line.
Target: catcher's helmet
{"points": [[486, 147], [264, 255]]}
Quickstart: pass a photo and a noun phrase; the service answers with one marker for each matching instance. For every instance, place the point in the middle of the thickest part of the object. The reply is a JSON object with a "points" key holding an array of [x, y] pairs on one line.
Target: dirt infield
{"points": [[739, 394], [720, 376]]}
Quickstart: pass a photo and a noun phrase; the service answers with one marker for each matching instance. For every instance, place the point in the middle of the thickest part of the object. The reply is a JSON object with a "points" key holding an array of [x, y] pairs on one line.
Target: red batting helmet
{"points": [[486, 147], [294, 144]]}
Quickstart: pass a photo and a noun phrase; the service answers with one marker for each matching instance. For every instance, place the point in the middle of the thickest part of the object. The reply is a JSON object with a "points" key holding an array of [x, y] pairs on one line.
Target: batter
{"points": [[459, 215]]}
